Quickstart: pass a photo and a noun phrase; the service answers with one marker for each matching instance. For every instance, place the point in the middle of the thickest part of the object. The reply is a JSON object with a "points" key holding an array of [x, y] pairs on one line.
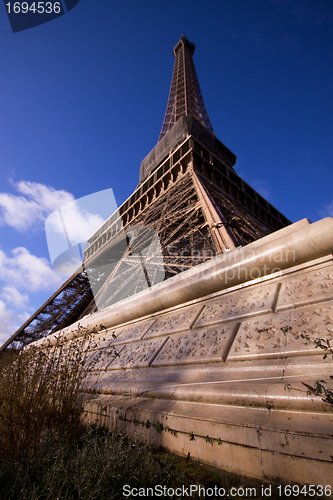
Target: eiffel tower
{"points": [[188, 194]]}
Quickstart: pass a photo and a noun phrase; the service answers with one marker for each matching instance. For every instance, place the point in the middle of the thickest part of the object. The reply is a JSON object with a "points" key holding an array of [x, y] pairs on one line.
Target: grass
{"points": [[46, 453], [95, 465], [45, 450]]}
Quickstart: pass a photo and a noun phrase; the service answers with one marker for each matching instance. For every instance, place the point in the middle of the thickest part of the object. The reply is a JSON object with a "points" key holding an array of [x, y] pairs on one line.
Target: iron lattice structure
{"points": [[59, 310], [185, 97], [189, 196], [198, 209]]}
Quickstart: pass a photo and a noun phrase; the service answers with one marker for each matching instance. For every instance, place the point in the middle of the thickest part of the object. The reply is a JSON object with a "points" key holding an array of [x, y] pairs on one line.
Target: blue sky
{"points": [[82, 101]]}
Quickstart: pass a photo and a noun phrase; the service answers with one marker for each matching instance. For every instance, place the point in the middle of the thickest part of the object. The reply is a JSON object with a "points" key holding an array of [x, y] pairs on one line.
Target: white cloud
{"points": [[27, 272], [328, 211], [10, 321], [32, 206], [18, 212], [46, 196], [73, 224], [78, 223], [11, 295], [22, 274]]}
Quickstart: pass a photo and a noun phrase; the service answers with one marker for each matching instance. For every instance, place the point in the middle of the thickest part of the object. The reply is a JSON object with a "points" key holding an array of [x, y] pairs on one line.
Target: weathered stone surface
{"points": [[242, 303], [138, 355], [217, 366], [280, 334], [174, 322], [127, 333], [133, 332], [307, 287], [104, 357], [201, 346], [106, 337]]}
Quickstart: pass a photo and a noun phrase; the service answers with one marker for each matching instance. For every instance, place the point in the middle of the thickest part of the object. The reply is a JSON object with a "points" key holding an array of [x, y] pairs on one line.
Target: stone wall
{"points": [[221, 374]]}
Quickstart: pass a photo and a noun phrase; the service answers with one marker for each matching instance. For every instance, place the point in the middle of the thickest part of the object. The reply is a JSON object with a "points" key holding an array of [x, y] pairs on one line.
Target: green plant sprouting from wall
{"points": [[159, 428], [320, 386]]}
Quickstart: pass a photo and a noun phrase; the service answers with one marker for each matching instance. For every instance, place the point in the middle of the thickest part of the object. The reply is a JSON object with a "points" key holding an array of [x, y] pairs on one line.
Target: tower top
{"points": [[185, 97], [183, 40]]}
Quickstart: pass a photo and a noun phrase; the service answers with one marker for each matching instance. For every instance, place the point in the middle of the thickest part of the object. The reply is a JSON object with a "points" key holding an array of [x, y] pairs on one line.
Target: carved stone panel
{"points": [[102, 358], [174, 322], [138, 354], [281, 333], [306, 287], [106, 337], [133, 332], [242, 303], [198, 346]]}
